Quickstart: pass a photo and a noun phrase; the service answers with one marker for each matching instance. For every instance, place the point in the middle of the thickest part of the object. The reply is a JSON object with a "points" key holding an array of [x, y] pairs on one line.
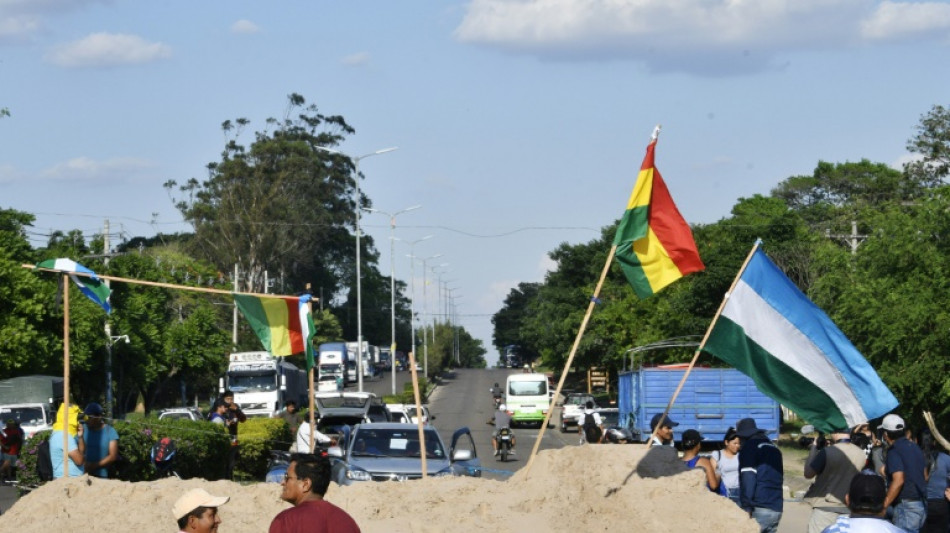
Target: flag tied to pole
{"points": [[94, 288], [770, 331], [655, 246], [284, 325]]}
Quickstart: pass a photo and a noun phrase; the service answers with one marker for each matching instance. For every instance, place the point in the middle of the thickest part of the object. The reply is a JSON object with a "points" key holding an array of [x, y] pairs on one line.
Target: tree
{"points": [[509, 319], [932, 143]]}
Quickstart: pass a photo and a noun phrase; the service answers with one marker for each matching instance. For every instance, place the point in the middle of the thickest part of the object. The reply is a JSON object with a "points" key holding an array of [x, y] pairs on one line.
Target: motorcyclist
{"points": [[496, 393], [501, 420]]}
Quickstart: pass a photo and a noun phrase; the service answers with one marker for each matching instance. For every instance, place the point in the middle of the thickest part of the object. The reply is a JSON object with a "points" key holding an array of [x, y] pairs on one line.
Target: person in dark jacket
{"points": [[906, 476], [760, 476], [233, 415]]}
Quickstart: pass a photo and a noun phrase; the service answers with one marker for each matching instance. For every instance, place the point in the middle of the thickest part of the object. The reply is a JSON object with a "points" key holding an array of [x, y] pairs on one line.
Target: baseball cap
{"points": [[667, 422], [93, 409], [746, 427], [867, 492], [194, 499], [692, 436], [892, 423]]}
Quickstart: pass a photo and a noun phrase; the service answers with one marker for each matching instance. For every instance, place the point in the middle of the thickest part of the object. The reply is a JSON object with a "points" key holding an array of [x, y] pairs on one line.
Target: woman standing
{"points": [[691, 444], [726, 463], [938, 464]]}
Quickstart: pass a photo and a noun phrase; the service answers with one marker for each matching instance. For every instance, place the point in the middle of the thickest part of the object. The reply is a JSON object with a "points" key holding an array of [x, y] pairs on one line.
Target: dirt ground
{"points": [[592, 488]]}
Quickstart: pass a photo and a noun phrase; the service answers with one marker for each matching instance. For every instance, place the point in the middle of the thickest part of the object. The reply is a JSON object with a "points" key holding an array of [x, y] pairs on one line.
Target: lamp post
{"points": [[392, 280], [425, 317], [112, 340], [412, 298], [359, 307]]}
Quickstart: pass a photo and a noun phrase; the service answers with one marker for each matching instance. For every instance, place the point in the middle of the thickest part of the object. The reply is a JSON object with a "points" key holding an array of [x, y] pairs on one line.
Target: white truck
{"points": [[262, 383], [32, 400], [365, 358]]}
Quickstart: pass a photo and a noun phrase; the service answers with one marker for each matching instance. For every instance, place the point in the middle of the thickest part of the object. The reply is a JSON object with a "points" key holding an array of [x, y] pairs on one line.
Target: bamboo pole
{"points": [[419, 421], [570, 357], [310, 373], [702, 343], [65, 418]]}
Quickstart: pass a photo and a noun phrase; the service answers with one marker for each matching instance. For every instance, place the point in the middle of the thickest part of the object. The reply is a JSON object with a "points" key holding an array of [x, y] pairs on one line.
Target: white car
{"points": [[406, 413], [180, 413]]}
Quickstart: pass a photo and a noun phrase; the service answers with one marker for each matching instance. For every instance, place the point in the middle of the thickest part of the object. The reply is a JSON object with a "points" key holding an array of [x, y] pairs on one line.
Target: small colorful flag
{"points": [[90, 285], [284, 325], [770, 331], [655, 246]]}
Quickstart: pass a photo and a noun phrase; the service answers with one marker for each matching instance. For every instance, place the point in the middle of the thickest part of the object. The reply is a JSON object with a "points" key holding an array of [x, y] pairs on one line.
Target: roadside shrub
{"points": [[26, 464], [202, 447], [257, 437]]}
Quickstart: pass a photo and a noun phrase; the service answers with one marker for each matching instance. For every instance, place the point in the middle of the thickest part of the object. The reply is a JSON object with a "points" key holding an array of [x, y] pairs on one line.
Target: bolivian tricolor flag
{"points": [[655, 246], [284, 325]]}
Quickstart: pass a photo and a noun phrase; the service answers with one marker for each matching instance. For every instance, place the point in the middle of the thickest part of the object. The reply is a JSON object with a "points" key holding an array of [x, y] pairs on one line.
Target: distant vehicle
{"points": [[385, 361], [340, 411], [711, 400], [512, 357], [392, 452], [180, 413], [31, 400], [405, 412], [327, 383], [262, 383], [526, 396], [574, 404], [615, 432], [335, 358], [379, 411]]}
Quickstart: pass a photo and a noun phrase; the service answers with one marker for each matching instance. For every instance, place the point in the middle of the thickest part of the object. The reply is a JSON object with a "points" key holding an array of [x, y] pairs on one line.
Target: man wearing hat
{"points": [[907, 484], [662, 436], [760, 476], [197, 511], [865, 499], [832, 468], [102, 442]]}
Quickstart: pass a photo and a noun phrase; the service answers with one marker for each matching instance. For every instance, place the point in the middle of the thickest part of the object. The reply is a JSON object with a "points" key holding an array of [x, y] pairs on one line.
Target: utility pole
{"points": [[853, 239]]}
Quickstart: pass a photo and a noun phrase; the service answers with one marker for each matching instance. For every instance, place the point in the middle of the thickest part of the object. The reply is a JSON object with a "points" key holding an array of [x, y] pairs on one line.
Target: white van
{"points": [[526, 396]]}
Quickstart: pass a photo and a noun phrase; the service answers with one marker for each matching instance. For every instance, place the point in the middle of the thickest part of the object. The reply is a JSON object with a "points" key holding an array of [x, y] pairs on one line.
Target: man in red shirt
{"points": [[12, 440], [304, 485]]}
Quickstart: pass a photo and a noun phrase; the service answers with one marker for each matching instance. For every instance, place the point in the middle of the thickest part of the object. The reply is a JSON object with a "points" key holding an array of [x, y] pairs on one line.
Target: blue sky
{"points": [[520, 124]]}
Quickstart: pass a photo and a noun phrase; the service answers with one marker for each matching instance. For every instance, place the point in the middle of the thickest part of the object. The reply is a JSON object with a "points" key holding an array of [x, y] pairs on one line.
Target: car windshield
{"points": [[609, 418], [330, 402], [527, 388], [395, 443], [580, 400], [178, 414], [252, 382], [30, 416]]}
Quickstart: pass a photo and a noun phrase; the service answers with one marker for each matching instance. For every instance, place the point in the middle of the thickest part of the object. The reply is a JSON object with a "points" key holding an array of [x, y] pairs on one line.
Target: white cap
{"points": [[194, 499], [892, 423], [502, 407]]}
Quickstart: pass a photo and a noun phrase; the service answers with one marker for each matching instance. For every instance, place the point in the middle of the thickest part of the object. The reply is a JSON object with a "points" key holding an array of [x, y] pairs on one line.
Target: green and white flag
{"points": [[90, 285]]}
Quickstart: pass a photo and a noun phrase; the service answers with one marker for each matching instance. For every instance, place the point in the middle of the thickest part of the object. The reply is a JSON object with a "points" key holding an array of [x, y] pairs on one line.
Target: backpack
{"points": [[591, 429], [44, 462]]}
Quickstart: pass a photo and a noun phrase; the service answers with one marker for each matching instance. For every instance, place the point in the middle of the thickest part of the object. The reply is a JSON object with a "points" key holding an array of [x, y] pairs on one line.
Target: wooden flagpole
{"points": [[570, 358], [699, 349], [65, 419], [418, 399]]}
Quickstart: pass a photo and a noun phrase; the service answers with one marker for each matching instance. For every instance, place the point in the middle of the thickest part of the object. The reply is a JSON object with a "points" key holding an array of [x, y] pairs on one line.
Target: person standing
{"points": [[832, 467], [217, 414], [938, 467], [291, 416], [692, 441], [11, 441], [590, 425], [233, 415], [906, 477], [726, 463], [304, 485], [76, 449], [102, 443], [760, 476], [197, 511], [664, 435], [302, 442]]}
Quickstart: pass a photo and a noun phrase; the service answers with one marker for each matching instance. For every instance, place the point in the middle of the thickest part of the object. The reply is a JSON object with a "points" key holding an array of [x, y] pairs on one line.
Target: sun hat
{"points": [[194, 499], [746, 427]]}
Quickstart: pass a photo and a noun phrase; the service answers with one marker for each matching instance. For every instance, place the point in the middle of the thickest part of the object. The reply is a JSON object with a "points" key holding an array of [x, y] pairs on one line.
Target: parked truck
{"points": [[363, 360], [262, 383], [32, 400], [712, 400], [333, 360]]}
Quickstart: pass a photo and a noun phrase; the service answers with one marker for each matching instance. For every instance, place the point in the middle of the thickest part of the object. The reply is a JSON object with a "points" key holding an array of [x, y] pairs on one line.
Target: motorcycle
{"points": [[277, 466], [618, 435], [504, 443], [162, 455]]}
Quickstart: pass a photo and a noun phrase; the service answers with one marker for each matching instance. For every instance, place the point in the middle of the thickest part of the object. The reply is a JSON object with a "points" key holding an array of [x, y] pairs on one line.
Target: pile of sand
{"points": [[589, 488]]}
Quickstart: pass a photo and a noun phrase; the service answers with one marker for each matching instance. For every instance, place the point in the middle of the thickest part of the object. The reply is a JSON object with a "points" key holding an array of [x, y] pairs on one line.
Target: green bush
{"points": [[26, 464], [202, 447], [258, 436]]}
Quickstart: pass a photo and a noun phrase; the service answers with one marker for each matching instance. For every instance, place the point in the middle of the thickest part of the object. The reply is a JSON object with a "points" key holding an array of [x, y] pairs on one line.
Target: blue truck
{"points": [[711, 401]]}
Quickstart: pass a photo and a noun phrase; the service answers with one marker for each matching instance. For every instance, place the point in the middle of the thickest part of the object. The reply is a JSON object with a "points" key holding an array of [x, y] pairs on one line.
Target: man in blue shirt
{"points": [[907, 482], [760, 476], [102, 442]]}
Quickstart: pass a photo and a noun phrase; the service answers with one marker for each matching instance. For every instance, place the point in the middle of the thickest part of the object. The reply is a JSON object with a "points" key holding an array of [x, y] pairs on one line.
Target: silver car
{"points": [[391, 452]]}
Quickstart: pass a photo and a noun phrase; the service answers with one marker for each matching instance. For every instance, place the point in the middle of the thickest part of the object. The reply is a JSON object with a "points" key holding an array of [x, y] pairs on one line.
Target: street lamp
{"points": [[112, 340], [392, 280], [425, 317], [359, 307], [412, 297]]}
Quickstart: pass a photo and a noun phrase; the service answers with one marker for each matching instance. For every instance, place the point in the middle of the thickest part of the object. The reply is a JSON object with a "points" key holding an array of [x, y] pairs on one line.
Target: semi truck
{"points": [[262, 383], [362, 360], [333, 358], [32, 400], [712, 400]]}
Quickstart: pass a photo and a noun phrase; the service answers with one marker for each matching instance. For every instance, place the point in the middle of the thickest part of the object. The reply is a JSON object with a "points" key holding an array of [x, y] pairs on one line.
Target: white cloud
{"points": [[356, 60], [86, 169], [8, 174], [244, 26], [108, 50], [495, 296], [710, 37], [17, 28], [21, 19], [545, 265], [901, 20]]}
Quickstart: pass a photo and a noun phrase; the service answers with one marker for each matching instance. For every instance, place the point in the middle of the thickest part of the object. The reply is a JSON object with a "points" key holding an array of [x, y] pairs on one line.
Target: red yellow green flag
{"points": [[283, 325], [655, 246]]}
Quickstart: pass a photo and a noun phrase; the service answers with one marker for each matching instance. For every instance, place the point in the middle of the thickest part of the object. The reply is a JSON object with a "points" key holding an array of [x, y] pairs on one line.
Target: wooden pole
{"points": [[702, 343], [417, 397], [310, 374], [65, 418], [570, 358]]}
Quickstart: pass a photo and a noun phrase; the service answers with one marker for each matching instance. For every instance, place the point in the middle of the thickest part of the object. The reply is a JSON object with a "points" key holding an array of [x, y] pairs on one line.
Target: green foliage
{"points": [[258, 436], [202, 446], [26, 464]]}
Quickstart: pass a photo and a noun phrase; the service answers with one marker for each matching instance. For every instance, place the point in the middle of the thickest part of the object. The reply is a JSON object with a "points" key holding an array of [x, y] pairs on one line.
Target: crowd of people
{"points": [[888, 480]]}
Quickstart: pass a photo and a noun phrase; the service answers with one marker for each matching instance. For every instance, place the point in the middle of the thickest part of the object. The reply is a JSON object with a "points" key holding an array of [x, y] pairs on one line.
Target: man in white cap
{"points": [[197, 511], [907, 482]]}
